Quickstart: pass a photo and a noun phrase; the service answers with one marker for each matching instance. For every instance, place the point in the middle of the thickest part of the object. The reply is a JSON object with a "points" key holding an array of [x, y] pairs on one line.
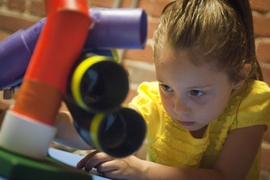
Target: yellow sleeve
{"points": [[254, 108], [148, 104], [145, 101]]}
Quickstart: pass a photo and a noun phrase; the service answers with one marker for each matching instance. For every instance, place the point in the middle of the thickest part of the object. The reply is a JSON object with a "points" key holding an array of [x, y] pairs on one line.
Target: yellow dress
{"points": [[170, 144]]}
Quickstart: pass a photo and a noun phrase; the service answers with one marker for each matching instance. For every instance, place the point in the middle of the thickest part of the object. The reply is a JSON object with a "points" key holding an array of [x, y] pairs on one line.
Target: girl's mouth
{"points": [[186, 123]]}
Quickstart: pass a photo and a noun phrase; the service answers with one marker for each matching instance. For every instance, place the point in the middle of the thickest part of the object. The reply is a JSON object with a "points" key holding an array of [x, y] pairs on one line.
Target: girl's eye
{"points": [[197, 93], [166, 88]]}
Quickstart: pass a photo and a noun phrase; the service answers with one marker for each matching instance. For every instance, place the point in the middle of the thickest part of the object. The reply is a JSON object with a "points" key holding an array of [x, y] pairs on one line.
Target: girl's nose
{"points": [[180, 107]]}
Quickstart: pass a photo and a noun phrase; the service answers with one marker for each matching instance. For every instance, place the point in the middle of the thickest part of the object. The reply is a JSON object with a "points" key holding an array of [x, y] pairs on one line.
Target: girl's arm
{"points": [[66, 133], [239, 151], [234, 161]]}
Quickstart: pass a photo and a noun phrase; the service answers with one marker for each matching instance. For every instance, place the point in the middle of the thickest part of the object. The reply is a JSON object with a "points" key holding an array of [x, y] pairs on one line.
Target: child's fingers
{"points": [[107, 166], [98, 158], [81, 163]]}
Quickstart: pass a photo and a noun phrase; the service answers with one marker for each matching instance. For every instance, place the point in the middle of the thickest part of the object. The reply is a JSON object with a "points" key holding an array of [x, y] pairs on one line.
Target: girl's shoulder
{"points": [[148, 91], [149, 88], [256, 86], [252, 90], [147, 100], [251, 104], [254, 93]]}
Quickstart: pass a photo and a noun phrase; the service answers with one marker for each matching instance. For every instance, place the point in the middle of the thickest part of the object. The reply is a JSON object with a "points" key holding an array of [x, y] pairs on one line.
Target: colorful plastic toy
{"points": [[69, 56]]}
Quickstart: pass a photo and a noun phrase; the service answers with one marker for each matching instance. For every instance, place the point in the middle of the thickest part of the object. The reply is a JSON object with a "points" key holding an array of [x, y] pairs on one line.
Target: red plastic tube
{"points": [[58, 47]]}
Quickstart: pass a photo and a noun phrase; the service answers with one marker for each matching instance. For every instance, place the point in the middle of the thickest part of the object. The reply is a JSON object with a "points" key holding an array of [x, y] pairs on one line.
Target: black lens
{"points": [[104, 86], [121, 133]]}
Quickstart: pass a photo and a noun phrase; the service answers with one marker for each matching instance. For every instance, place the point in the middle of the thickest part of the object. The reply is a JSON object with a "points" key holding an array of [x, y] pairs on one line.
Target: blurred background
{"points": [[21, 14]]}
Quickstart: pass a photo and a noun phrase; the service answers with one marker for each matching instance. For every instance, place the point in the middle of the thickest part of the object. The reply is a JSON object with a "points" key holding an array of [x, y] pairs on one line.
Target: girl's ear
{"points": [[244, 72]]}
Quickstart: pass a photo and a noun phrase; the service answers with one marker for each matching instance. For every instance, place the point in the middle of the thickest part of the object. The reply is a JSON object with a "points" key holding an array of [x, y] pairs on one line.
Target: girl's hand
{"points": [[117, 168]]}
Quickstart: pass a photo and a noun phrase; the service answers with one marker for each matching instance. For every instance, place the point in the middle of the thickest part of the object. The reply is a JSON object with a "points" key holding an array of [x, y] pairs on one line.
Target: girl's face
{"points": [[192, 95]]}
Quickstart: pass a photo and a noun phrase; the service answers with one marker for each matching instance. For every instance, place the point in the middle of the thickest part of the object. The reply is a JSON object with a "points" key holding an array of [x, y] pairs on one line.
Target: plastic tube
{"points": [[117, 28], [119, 133], [44, 82], [111, 28]]}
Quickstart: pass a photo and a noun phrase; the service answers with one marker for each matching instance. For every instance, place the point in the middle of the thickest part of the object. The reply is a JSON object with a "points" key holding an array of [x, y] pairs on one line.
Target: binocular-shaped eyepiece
{"points": [[98, 82], [98, 85]]}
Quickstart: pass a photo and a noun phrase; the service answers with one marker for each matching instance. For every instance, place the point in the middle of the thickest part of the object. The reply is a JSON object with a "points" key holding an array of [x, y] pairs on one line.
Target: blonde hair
{"points": [[219, 32]]}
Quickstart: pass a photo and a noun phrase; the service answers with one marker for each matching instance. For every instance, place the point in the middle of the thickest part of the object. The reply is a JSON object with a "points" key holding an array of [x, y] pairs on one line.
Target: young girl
{"points": [[208, 110]]}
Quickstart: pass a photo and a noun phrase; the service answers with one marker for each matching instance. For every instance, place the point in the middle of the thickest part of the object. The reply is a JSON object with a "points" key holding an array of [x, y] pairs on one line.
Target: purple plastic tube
{"points": [[110, 29], [15, 53], [114, 28]]}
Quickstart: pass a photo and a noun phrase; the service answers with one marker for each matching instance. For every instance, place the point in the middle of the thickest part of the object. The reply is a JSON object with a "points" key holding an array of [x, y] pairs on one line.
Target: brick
{"points": [[265, 160], [145, 4], [261, 25], [260, 5], [158, 7], [130, 4], [110, 3], [152, 25], [145, 54], [263, 49], [139, 75], [18, 5], [127, 4], [266, 75], [38, 8], [3, 35], [266, 136], [12, 24], [101, 3], [139, 72]]}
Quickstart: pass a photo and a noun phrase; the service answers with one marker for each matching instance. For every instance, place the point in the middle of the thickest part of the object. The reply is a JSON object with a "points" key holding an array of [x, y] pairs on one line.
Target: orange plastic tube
{"points": [[58, 47]]}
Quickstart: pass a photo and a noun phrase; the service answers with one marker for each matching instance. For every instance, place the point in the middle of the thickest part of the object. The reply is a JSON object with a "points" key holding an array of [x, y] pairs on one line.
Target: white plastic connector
{"points": [[25, 136]]}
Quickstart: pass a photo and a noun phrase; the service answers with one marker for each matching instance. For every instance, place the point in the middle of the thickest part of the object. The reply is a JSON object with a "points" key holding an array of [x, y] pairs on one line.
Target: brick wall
{"points": [[17, 14], [21, 14]]}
